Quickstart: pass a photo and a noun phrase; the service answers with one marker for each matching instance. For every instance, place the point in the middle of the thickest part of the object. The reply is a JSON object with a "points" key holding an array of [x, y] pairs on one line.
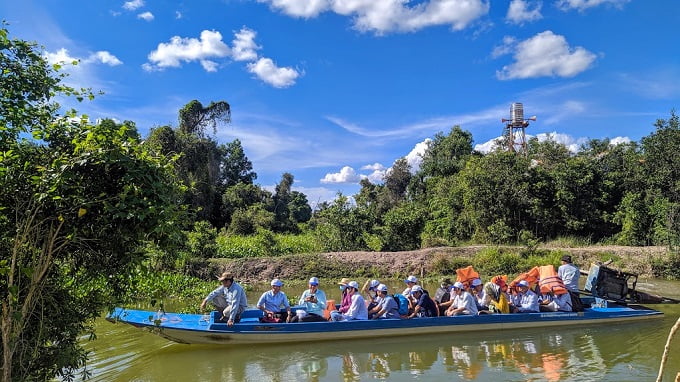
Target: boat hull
{"points": [[202, 329]]}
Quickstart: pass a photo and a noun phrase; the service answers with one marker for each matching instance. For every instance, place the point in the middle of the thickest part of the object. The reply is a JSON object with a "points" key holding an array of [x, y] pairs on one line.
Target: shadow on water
{"points": [[612, 352]]}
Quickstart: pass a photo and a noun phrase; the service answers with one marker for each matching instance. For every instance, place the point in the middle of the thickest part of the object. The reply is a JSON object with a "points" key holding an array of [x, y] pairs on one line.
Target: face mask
{"points": [[342, 288]]}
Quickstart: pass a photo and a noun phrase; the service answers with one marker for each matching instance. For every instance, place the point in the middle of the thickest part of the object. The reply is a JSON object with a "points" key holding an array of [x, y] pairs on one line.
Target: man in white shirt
{"points": [[569, 273]]}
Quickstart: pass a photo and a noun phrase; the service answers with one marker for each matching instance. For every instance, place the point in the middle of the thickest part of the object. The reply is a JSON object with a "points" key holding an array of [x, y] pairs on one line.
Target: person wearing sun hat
{"points": [[229, 299], [346, 299], [526, 301], [463, 302], [477, 291], [314, 301], [425, 306], [357, 309], [410, 283], [273, 300], [388, 307]]}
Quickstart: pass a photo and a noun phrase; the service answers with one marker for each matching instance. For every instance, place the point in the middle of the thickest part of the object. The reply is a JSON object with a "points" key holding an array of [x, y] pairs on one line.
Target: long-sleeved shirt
{"points": [[526, 302], [563, 301], [234, 296], [570, 275], [345, 303], [357, 309], [314, 307], [273, 301]]}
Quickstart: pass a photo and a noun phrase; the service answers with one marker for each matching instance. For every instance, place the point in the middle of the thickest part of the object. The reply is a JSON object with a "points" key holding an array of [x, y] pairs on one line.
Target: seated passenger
{"points": [[463, 302], [550, 302], [410, 283], [314, 301], [525, 300], [371, 295], [477, 290], [443, 296], [357, 309], [272, 302], [424, 306], [388, 306]]}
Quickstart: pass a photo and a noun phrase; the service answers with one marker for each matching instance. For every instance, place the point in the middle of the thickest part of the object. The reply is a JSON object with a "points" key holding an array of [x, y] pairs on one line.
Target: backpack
{"points": [[576, 304], [402, 303]]}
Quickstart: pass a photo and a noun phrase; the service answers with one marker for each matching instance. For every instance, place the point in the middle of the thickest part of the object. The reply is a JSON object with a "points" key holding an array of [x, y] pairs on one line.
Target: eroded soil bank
{"points": [[420, 262]]}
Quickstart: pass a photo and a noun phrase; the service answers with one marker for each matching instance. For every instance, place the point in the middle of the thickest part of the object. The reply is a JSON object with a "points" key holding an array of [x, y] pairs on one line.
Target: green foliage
{"points": [[265, 243], [444, 264], [340, 227], [402, 227], [194, 119], [667, 267], [493, 261], [78, 203]]}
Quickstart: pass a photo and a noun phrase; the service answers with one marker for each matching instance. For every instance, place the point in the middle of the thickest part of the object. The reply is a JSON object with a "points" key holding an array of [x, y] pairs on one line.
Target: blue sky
{"points": [[336, 90]]}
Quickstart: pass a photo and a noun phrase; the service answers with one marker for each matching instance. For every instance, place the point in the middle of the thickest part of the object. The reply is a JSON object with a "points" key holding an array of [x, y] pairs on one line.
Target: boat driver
{"points": [[229, 298]]}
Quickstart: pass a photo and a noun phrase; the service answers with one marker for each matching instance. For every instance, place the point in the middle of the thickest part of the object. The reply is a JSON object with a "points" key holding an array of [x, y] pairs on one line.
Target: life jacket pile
{"points": [[550, 282], [466, 275]]}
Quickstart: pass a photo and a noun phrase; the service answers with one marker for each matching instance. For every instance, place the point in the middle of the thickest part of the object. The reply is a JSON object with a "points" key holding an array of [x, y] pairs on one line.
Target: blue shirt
{"points": [[389, 305], [569, 274], [314, 307], [234, 295], [273, 302], [427, 306], [527, 302]]}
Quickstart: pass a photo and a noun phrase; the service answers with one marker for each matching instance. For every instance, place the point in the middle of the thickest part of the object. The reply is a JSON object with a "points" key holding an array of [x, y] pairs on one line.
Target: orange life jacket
{"points": [[550, 282], [499, 280], [531, 277], [466, 275]]}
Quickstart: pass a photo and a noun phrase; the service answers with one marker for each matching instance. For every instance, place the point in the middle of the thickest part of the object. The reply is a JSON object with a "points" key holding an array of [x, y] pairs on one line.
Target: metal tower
{"points": [[514, 131]]}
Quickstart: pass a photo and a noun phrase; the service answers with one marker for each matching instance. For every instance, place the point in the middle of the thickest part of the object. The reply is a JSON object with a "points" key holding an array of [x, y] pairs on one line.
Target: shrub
{"points": [[667, 267], [492, 261]]}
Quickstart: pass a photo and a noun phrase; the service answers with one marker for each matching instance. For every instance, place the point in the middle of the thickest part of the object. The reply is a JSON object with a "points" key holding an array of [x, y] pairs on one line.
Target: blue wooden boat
{"points": [[207, 329]]}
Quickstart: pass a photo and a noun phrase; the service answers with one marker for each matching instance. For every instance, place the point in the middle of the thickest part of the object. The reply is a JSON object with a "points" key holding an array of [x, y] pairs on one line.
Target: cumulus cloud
{"points": [[62, 56], [383, 16], [146, 16], [415, 157], [545, 54], [521, 11], [244, 47], [582, 5], [374, 166], [133, 5], [178, 15], [105, 57], [346, 175], [178, 50], [210, 47], [266, 70]]}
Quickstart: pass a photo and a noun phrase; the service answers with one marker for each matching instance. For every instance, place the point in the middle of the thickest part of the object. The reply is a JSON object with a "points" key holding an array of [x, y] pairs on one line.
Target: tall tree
{"points": [[74, 213], [194, 119], [447, 154]]}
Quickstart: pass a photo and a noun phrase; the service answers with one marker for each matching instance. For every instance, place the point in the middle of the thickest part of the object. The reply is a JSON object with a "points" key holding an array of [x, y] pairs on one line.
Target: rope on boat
{"points": [[666, 350]]}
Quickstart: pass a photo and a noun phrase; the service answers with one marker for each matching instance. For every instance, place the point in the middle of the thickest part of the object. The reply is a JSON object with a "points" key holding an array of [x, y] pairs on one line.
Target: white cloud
{"points": [[374, 166], [266, 70], [62, 56], [209, 66], [299, 8], [382, 16], [244, 47], [178, 50], [582, 5], [133, 5], [146, 16], [346, 175], [178, 15], [105, 58], [545, 54], [415, 157], [572, 143], [521, 11]]}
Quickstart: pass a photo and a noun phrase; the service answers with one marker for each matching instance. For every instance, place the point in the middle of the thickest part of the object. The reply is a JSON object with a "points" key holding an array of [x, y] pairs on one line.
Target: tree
{"points": [[74, 215], [447, 154], [235, 166], [194, 119]]}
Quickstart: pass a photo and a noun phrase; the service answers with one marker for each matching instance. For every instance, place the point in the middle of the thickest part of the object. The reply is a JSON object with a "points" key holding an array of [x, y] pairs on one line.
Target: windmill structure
{"points": [[514, 131]]}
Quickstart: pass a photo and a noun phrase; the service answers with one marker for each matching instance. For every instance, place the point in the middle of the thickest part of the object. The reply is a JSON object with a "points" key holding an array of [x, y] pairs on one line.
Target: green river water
{"points": [[614, 352]]}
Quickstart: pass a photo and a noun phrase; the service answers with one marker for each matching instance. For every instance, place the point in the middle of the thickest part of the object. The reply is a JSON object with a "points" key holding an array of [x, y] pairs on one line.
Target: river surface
{"points": [[614, 352]]}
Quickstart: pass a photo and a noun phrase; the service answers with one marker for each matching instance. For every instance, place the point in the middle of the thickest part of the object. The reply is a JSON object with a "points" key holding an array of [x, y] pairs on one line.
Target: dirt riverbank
{"points": [[419, 262]]}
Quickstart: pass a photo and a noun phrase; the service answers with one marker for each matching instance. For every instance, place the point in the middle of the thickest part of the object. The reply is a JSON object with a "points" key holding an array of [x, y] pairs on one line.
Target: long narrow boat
{"points": [[207, 329]]}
